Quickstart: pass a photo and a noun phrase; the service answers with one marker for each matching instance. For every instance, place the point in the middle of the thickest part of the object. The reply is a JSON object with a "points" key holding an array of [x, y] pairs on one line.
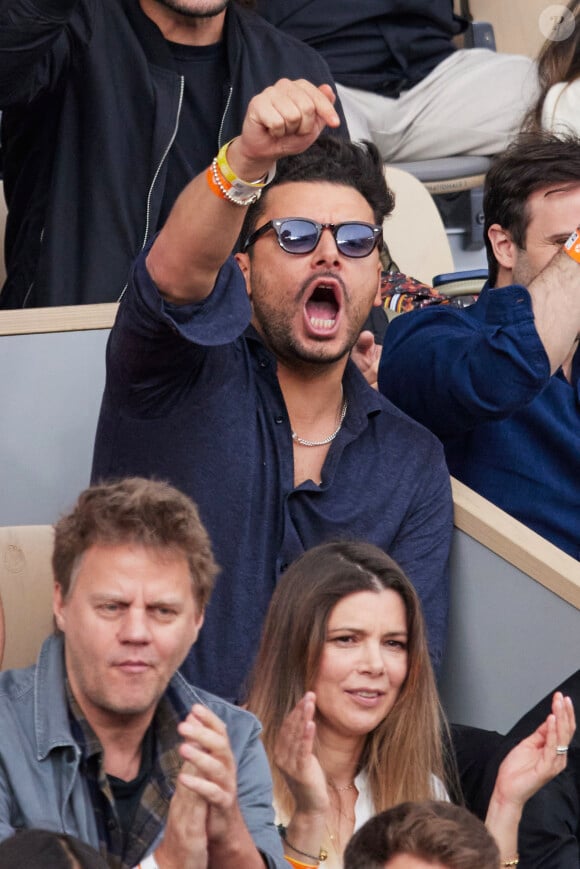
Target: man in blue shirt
{"points": [[267, 425], [499, 382]]}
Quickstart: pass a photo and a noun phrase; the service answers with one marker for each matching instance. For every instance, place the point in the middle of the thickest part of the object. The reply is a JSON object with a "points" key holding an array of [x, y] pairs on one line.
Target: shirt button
{"points": [[112, 824], [278, 420], [263, 363]]}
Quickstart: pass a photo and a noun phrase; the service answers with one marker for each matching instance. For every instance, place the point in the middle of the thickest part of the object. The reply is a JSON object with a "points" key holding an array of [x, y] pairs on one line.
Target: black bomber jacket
{"points": [[91, 105]]}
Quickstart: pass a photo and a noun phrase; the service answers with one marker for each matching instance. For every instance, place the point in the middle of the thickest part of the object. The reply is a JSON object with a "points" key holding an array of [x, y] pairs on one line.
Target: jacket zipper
{"points": [[228, 101], [158, 170], [31, 285]]}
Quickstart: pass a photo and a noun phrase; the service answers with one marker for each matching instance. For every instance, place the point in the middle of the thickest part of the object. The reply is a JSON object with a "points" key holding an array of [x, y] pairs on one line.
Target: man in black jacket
{"points": [[109, 108]]}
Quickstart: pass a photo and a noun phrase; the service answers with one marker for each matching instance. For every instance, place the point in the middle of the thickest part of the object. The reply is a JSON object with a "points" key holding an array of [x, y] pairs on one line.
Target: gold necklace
{"points": [[337, 813], [340, 788]]}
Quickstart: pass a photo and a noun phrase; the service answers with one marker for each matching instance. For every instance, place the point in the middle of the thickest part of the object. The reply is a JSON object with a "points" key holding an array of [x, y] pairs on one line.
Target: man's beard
{"points": [[203, 9], [275, 326]]}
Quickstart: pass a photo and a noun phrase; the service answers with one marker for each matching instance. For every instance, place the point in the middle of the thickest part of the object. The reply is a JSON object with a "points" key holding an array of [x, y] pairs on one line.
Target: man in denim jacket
{"points": [[90, 740]]}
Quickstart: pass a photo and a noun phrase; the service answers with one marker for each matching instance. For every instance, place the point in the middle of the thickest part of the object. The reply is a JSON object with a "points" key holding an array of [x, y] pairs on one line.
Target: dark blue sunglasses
{"points": [[300, 235]]}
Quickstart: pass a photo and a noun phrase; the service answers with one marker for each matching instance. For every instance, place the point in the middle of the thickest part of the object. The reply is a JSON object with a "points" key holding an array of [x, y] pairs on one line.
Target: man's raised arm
{"points": [[555, 296], [204, 224]]}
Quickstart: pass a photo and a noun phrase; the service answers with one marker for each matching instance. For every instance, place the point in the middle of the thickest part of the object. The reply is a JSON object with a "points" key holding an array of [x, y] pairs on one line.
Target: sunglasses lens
{"points": [[298, 236], [355, 239]]}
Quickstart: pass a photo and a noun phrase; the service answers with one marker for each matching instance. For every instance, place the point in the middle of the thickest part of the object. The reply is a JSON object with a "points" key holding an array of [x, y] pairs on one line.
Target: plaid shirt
{"points": [[151, 814]]}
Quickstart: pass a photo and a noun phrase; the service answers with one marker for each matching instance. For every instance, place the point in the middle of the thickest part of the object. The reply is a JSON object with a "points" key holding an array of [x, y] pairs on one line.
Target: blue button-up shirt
{"points": [[479, 378], [192, 397]]}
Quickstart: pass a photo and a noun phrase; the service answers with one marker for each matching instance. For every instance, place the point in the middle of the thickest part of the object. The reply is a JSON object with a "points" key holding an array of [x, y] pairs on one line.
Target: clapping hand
{"points": [[294, 756], [538, 758], [184, 844]]}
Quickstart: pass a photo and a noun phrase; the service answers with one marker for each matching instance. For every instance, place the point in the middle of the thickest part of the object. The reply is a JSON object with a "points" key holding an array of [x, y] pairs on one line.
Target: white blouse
{"points": [[561, 109], [364, 808]]}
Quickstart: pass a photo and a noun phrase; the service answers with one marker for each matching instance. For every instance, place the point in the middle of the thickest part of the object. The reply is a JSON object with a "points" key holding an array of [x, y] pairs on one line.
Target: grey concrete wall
{"points": [[50, 393], [510, 640]]}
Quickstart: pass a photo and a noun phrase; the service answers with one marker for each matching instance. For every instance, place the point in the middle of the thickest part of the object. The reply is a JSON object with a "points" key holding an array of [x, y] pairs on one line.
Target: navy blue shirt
{"points": [[479, 378], [384, 46], [192, 397]]}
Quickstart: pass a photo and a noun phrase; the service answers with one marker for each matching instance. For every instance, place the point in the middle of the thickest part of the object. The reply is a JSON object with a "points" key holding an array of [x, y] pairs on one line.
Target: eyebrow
{"points": [[106, 595], [556, 237], [118, 597], [361, 630], [569, 186]]}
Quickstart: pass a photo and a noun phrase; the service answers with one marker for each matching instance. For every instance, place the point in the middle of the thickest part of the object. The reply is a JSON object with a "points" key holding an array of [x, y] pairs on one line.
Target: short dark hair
{"points": [[335, 160], [533, 161], [43, 849], [135, 510], [430, 831]]}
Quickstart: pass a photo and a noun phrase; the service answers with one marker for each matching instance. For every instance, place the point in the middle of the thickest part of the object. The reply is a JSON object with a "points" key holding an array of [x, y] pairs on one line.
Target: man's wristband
{"points": [[225, 184], [229, 174], [572, 246]]}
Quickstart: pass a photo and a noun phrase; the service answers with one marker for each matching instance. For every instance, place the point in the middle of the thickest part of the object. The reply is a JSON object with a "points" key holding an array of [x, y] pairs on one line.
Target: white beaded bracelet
{"points": [[239, 193]]}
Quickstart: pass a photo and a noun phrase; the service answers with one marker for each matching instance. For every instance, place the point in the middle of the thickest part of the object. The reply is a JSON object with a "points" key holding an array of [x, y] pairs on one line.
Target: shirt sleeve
{"points": [[422, 546], [6, 828], [451, 369], [256, 800], [157, 348]]}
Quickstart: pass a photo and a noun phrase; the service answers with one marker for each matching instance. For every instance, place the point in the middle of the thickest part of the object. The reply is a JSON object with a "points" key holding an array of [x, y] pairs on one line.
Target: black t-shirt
{"points": [[378, 45], [204, 69], [127, 794]]}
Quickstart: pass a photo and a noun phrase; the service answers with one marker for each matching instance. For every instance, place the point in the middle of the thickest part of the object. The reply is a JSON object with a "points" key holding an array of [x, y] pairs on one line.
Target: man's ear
{"points": [[197, 624], [243, 260], [377, 301], [503, 246], [58, 607]]}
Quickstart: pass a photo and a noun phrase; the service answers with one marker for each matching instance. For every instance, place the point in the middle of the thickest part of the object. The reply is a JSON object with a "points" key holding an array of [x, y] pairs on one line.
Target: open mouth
{"points": [[323, 306]]}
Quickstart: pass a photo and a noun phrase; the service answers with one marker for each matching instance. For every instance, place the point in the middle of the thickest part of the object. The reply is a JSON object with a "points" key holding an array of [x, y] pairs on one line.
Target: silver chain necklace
{"points": [[303, 442]]}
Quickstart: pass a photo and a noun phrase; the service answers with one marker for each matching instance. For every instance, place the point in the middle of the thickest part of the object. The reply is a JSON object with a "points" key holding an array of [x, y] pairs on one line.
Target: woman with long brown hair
{"points": [[558, 105], [352, 723]]}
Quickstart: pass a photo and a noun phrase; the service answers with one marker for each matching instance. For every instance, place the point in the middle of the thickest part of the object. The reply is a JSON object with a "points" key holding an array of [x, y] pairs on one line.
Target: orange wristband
{"points": [[572, 246], [238, 193], [211, 183], [297, 864]]}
